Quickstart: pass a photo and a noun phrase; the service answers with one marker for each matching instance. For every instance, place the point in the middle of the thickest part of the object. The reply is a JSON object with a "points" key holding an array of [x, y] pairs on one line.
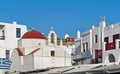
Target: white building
{"points": [[10, 33], [76, 52], [36, 52], [111, 49], [90, 45], [83, 48], [97, 40]]}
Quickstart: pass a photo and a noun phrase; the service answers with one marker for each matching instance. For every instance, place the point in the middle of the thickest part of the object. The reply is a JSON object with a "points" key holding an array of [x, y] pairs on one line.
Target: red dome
{"points": [[34, 35]]}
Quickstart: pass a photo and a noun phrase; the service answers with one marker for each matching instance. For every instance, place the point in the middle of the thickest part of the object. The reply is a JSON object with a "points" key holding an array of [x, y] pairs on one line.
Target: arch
{"points": [[111, 58], [52, 38]]}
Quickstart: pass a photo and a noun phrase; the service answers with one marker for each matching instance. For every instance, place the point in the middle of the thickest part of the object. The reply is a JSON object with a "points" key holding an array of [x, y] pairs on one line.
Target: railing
{"points": [[86, 54], [2, 37], [110, 46], [82, 55], [75, 57]]}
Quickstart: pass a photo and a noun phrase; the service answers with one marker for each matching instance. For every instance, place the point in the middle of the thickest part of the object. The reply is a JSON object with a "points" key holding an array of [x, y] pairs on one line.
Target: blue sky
{"points": [[66, 16]]}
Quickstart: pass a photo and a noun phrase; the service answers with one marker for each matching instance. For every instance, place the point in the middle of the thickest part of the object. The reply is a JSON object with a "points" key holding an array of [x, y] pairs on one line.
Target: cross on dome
{"points": [[103, 18], [51, 28]]}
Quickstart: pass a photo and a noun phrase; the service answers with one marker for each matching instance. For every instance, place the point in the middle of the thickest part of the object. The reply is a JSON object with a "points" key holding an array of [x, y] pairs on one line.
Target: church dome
{"points": [[33, 35]]}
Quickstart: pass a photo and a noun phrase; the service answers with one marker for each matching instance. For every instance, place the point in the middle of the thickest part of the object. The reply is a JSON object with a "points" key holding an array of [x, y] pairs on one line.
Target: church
{"points": [[35, 51]]}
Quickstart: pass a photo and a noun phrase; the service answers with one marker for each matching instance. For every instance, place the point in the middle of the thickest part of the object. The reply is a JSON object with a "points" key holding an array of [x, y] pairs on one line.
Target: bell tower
{"points": [[52, 37]]}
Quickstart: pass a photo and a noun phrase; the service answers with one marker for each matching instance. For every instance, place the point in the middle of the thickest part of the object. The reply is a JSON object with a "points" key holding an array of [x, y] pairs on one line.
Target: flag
{"points": [[5, 63]]}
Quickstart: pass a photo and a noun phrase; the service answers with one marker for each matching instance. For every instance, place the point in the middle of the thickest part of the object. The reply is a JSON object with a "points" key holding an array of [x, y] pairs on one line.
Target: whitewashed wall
{"points": [[109, 31]]}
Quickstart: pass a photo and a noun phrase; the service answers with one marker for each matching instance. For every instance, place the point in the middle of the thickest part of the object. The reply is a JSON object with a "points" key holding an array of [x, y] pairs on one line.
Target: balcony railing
{"points": [[110, 46], [2, 37], [86, 54], [82, 55]]}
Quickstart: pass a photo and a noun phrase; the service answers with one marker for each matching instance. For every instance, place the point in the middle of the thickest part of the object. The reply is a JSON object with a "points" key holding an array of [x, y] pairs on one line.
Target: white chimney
{"points": [[14, 22], [66, 35], [78, 34], [93, 27]]}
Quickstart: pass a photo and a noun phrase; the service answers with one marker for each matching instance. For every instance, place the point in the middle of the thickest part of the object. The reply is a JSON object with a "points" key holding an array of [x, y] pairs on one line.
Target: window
{"points": [[96, 39], [52, 38], [87, 46], [116, 36], [3, 33], [2, 37], [111, 58], [18, 32], [119, 44], [7, 54], [52, 53], [106, 39], [83, 47]]}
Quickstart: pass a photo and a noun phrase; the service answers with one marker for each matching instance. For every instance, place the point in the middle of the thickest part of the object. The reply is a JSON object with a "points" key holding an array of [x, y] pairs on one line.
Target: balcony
{"points": [[2, 37], [110, 46], [82, 55], [86, 54]]}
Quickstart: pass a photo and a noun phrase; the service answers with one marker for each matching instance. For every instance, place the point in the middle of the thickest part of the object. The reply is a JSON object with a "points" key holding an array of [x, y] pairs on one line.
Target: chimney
{"points": [[14, 22]]}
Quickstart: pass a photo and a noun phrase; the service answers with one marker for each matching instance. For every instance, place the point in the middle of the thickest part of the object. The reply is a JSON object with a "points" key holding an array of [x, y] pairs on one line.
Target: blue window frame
{"points": [[18, 32], [8, 54]]}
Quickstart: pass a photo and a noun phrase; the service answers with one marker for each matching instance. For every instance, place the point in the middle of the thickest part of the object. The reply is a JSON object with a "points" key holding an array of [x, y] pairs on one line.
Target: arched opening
{"points": [[111, 58], [52, 38]]}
